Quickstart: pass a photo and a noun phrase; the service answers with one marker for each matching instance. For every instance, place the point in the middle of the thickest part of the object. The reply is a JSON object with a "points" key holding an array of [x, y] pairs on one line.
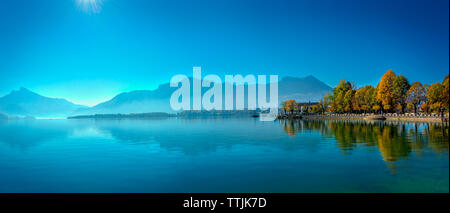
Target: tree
{"points": [[385, 91], [416, 95], [400, 89], [290, 106], [323, 104], [357, 101], [332, 109], [376, 107], [364, 98], [425, 108], [446, 91], [316, 108], [436, 97], [348, 97], [284, 107], [337, 99]]}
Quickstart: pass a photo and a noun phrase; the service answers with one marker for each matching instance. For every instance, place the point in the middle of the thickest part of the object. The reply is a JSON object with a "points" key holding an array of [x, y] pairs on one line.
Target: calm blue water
{"points": [[222, 155]]}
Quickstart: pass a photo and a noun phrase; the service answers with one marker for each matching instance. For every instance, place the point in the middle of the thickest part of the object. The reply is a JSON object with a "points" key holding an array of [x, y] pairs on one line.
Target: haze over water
{"points": [[222, 155]]}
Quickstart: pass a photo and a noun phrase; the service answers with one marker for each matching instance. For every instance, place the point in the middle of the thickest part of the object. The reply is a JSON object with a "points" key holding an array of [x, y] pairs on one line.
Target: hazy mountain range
{"points": [[24, 102]]}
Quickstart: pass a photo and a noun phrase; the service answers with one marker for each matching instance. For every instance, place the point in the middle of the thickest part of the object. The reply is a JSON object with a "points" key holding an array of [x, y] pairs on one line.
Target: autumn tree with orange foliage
{"points": [[290, 106], [392, 92], [385, 91]]}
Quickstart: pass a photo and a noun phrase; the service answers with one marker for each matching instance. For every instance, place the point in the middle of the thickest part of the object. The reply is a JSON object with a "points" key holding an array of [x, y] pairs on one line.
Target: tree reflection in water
{"points": [[395, 140]]}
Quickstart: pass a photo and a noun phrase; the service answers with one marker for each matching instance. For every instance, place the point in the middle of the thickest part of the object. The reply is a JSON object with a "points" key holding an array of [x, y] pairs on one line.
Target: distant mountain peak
{"points": [[24, 102], [310, 77], [22, 91], [291, 78]]}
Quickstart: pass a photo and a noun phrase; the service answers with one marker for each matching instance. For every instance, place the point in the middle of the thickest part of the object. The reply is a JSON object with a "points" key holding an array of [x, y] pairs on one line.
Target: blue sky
{"points": [[57, 49]]}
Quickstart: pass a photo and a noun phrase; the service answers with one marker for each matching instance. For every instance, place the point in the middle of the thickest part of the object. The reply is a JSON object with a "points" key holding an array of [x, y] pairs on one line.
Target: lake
{"points": [[222, 155]]}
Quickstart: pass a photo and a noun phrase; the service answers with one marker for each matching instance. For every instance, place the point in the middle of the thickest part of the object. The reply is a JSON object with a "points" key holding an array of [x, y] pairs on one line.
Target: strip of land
{"points": [[388, 116], [125, 116]]}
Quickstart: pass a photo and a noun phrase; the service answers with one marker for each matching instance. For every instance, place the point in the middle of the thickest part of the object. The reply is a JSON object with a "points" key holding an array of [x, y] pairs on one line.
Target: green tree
{"points": [[446, 91], [337, 99], [316, 108], [436, 97], [400, 90], [364, 99], [323, 104], [348, 97], [416, 95]]}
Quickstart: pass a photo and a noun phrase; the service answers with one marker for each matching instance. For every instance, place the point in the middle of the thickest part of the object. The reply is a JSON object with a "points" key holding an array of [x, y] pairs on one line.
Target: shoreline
{"points": [[388, 118], [160, 115]]}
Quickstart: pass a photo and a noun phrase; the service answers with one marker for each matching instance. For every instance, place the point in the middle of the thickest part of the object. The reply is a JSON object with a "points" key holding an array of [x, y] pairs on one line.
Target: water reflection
{"points": [[222, 155], [24, 134], [394, 140], [197, 136]]}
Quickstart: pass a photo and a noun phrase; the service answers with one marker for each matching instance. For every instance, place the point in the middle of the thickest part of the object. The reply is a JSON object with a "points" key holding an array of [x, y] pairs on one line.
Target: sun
{"points": [[90, 6]]}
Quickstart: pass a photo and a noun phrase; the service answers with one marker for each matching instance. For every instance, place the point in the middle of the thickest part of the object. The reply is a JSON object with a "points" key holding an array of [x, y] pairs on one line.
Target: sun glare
{"points": [[90, 6]]}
